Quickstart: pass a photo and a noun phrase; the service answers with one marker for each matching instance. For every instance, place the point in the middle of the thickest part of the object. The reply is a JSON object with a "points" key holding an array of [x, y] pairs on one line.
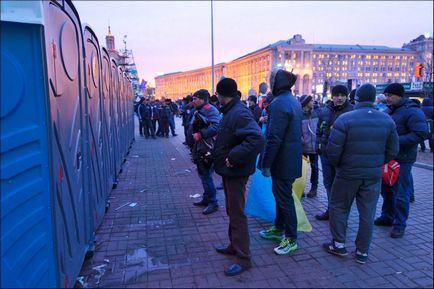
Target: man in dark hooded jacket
{"points": [[361, 141], [239, 141], [282, 159], [412, 128]]}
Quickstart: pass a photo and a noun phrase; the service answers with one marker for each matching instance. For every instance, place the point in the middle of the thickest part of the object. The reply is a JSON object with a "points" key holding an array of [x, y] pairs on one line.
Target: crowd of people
{"points": [[357, 136]]}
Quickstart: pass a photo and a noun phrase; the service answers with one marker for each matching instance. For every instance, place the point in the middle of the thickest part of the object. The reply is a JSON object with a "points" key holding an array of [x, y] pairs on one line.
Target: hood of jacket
{"points": [[282, 81]]}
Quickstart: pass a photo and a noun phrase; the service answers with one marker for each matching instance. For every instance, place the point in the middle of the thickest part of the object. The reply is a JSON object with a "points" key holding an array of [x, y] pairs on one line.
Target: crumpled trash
{"points": [[195, 196], [172, 159], [132, 205], [188, 171]]}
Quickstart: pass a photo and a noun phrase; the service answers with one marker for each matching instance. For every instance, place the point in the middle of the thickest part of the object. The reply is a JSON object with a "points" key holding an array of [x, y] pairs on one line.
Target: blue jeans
{"points": [[209, 190], [396, 199], [328, 174], [172, 123]]}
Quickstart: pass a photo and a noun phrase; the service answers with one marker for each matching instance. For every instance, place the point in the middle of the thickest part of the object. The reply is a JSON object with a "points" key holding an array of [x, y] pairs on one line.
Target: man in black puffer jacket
{"points": [[327, 117], [239, 141], [361, 141], [412, 129], [282, 159]]}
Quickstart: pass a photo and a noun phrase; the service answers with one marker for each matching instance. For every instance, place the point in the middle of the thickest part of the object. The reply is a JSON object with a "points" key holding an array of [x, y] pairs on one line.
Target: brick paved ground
{"points": [[164, 241]]}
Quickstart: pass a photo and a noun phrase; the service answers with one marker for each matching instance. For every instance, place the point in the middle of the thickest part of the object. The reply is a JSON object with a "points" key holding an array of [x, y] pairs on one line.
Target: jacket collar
{"points": [[364, 104], [225, 108]]}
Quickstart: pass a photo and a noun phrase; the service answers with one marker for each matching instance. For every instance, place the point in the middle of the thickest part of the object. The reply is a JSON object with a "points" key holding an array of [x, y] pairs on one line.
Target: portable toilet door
{"points": [[121, 113], [92, 95], [107, 132], [44, 207], [114, 100], [130, 114], [125, 113]]}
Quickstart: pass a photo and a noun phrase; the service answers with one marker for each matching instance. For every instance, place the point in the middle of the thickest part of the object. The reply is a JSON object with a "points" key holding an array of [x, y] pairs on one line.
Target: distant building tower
{"points": [[110, 41]]}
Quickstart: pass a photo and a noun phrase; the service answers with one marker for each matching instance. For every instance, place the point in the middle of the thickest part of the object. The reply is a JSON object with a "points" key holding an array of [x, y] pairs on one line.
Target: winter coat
{"points": [[145, 111], [308, 128], [164, 113], [361, 141], [239, 139], [411, 127], [256, 111], [326, 118], [283, 149]]}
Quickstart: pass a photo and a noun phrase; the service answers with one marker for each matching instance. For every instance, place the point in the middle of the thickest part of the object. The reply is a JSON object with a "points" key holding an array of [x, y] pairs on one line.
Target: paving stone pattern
{"points": [[164, 241]]}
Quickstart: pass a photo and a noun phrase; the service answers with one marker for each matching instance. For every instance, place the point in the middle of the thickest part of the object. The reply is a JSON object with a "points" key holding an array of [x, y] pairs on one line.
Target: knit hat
{"points": [[339, 89], [202, 94], [395, 88], [305, 99], [252, 98], [227, 87], [366, 92]]}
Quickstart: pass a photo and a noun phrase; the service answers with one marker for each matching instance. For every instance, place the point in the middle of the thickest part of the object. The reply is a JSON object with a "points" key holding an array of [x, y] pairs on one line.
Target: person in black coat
{"points": [[254, 108], [360, 142], [327, 116], [428, 112], [282, 158], [412, 128], [239, 141]]}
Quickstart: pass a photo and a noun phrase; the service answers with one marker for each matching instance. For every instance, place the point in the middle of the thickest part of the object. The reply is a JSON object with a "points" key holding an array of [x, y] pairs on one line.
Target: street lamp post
{"points": [[212, 49]]}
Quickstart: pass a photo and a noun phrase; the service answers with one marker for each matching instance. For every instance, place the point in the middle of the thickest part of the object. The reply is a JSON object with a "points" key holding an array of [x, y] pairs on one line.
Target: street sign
{"points": [[416, 86]]}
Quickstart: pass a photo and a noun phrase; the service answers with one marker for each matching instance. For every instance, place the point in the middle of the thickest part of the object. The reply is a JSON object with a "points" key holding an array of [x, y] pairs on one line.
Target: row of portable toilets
{"points": [[66, 127]]}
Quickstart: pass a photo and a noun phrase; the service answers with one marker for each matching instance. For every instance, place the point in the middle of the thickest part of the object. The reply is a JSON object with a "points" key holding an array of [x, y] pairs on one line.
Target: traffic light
{"points": [[418, 70]]}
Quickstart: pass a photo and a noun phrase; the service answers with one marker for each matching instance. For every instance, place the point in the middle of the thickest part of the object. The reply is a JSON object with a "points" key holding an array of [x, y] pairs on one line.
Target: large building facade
{"points": [[318, 66]]}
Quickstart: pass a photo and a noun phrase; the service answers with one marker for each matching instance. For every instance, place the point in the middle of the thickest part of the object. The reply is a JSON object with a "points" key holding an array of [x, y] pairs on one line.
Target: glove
{"points": [[197, 136], [266, 172]]}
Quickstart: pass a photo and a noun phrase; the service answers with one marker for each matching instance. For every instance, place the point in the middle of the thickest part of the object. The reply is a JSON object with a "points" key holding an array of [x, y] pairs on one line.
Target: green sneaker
{"points": [[272, 234], [286, 246]]}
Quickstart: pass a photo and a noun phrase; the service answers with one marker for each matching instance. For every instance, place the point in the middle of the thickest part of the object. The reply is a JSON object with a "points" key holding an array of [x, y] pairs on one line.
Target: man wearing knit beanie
{"points": [[412, 129], [360, 142], [327, 117], [236, 148], [308, 130]]}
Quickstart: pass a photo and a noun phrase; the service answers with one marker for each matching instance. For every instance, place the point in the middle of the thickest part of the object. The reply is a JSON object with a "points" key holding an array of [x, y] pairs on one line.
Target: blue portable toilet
{"points": [[110, 174], [44, 206], [114, 113], [94, 124]]}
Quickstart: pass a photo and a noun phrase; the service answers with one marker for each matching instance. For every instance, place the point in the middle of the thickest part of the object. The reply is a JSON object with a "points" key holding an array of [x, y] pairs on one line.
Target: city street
{"points": [[153, 236]]}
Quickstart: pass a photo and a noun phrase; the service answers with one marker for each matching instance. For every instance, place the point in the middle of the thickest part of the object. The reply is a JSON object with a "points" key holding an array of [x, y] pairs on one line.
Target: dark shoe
{"points": [[225, 251], [382, 222], [411, 199], [312, 193], [397, 232], [201, 203], [332, 249], [361, 258], [236, 269], [210, 209], [174, 134], [323, 217]]}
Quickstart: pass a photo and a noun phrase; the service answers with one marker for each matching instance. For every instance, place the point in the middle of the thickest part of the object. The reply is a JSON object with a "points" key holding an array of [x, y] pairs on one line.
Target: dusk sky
{"points": [[176, 35]]}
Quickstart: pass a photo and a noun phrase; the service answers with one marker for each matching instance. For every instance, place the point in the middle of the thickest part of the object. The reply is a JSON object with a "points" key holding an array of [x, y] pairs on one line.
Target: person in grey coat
{"points": [[282, 159], [360, 142]]}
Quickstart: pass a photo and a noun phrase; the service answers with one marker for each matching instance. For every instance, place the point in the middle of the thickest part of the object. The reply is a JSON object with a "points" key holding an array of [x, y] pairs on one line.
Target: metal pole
{"points": [[212, 48]]}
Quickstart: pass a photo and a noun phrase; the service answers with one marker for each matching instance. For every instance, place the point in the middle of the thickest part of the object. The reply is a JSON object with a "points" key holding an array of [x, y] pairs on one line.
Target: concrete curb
{"points": [[423, 166]]}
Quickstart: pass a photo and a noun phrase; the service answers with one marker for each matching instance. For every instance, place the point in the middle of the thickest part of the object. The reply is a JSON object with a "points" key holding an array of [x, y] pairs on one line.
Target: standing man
{"points": [[173, 111], [254, 108], [361, 141], [327, 117], [145, 112], [308, 128], [239, 141], [282, 159], [412, 129], [205, 123]]}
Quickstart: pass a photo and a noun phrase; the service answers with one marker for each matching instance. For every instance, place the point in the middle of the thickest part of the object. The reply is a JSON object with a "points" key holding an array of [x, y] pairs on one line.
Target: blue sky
{"points": [[169, 36]]}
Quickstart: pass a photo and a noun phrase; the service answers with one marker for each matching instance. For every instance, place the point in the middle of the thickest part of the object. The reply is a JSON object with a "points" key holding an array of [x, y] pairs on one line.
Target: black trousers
{"points": [[238, 232], [148, 127], [286, 217]]}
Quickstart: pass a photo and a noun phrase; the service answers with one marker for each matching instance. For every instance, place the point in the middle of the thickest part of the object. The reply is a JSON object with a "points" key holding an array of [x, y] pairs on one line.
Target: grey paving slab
{"points": [[165, 242]]}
